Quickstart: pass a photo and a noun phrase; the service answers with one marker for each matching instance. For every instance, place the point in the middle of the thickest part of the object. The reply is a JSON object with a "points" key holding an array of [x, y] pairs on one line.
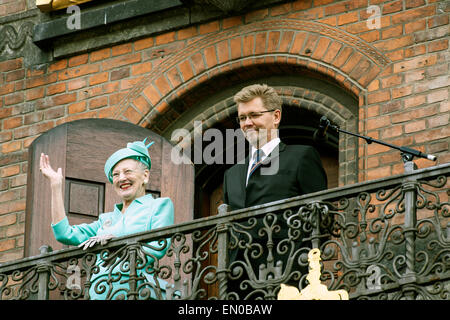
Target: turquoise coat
{"points": [[143, 214]]}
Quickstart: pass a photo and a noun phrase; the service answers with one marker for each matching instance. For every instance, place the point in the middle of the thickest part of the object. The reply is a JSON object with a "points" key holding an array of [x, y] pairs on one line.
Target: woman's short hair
{"points": [[271, 100]]}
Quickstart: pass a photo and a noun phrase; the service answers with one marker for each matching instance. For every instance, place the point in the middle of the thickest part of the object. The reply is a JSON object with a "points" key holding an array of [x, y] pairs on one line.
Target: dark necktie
{"points": [[259, 154]]}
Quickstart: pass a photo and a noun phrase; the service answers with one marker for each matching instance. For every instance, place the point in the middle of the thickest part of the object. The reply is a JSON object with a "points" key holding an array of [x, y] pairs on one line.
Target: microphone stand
{"points": [[407, 154]]}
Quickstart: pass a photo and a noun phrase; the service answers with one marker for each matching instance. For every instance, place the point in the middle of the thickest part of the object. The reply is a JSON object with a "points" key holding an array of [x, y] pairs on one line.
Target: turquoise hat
{"points": [[136, 150]]}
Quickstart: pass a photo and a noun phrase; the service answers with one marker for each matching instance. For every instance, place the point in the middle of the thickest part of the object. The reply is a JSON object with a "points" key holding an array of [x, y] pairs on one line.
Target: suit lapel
{"points": [[274, 155], [242, 179]]}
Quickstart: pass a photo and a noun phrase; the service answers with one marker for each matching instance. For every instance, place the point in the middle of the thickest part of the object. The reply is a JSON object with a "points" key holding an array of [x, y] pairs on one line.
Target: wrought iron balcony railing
{"points": [[382, 239]]}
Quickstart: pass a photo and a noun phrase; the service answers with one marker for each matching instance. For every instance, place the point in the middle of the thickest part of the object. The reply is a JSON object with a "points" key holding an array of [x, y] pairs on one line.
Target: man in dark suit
{"points": [[273, 171]]}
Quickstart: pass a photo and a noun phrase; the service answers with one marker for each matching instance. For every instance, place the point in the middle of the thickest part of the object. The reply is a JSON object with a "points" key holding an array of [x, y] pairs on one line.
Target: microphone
{"points": [[320, 135]]}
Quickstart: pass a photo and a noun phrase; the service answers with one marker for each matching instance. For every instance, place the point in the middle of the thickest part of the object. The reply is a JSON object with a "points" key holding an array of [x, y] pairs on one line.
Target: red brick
{"points": [[415, 126], [209, 27], [186, 70], [77, 107], [378, 173], [210, 57], [310, 44], [126, 84], [8, 88], [248, 45], [14, 98], [64, 98], [370, 36], [321, 48], [142, 104], [174, 77], [54, 113], [100, 55], [430, 135], [256, 15], [10, 65], [112, 87], [352, 62], [33, 129], [76, 84], [41, 80], [378, 122], [223, 53], [120, 74], [331, 21], [121, 49], [198, 63], [59, 65], [392, 131], [377, 97], [235, 47], [415, 63], [401, 92], [392, 7], [342, 56], [56, 88], [415, 50], [132, 115], [152, 95], [414, 3], [9, 171], [121, 61], [332, 51], [78, 72], [392, 32], [230, 22], [438, 21], [440, 120], [414, 101], [98, 78], [392, 44], [286, 40], [347, 18], [15, 75], [280, 9], [439, 95], [98, 102], [78, 60], [438, 45], [163, 85], [273, 41], [33, 117], [35, 93], [414, 26], [391, 81], [12, 146], [185, 33], [165, 38], [409, 15], [141, 68], [7, 244]]}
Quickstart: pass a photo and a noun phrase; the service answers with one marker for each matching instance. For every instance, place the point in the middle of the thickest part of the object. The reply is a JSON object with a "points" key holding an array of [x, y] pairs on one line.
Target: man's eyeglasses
{"points": [[251, 116]]}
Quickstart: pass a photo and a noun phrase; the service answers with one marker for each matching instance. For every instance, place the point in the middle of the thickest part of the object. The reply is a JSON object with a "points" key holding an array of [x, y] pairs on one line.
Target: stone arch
{"points": [[308, 99], [347, 59]]}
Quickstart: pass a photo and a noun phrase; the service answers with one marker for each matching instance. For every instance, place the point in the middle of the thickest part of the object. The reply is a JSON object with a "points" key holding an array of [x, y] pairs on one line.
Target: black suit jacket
{"points": [[300, 171]]}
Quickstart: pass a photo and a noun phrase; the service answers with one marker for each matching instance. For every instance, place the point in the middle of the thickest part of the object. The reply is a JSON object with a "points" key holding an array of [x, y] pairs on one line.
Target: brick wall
{"points": [[8, 7], [403, 100]]}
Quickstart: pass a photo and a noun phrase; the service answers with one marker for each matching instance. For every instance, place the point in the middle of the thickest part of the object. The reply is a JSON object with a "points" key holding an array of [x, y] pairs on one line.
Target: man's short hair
{"points": [[271, 100]]}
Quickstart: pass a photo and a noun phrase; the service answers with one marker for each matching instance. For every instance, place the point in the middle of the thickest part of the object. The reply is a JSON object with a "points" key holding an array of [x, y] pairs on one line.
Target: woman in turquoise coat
{"points": [[128, 170]]}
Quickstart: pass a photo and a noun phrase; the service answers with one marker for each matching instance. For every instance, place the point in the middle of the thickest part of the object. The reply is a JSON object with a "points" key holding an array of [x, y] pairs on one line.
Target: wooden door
{"points": [[81, 149]]}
